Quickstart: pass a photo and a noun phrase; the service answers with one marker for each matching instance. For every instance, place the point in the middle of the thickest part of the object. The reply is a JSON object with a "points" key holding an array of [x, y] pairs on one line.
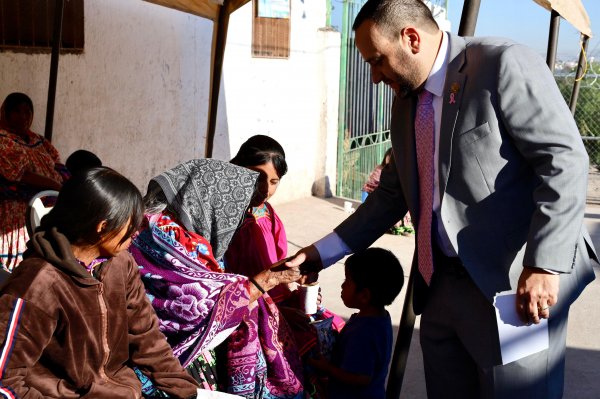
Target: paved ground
{"points": [[593, 192], [311, 218]]}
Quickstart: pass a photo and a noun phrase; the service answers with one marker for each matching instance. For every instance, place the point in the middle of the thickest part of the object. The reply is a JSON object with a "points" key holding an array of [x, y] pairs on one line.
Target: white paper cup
{"points": [[348, 206], [309, 294]]}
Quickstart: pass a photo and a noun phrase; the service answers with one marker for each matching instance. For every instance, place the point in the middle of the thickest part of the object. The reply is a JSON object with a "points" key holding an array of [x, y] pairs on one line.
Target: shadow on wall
{"points": [[222, 143], [322, 188]]}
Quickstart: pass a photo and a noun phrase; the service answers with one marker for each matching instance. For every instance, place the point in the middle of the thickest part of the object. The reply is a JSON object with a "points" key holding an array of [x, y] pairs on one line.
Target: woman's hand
{"points": [[279, 273], [284, 273]]}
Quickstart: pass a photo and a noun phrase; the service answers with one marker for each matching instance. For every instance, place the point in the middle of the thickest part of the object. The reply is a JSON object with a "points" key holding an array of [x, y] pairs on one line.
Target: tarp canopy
{"points": [[203, 8], [572, 11]]}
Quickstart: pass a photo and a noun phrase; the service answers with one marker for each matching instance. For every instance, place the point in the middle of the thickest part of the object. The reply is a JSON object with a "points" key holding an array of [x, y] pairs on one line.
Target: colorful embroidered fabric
{"points": [[195, 303], [92, 265], [260, 242]]}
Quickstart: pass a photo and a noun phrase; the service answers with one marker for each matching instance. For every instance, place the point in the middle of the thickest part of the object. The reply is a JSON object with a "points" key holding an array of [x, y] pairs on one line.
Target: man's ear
{"points": [[101, 228], [411, 38]]}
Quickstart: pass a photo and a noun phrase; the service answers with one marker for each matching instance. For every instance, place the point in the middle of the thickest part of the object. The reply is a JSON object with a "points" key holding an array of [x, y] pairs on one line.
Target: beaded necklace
{"points": [[92, 265]]}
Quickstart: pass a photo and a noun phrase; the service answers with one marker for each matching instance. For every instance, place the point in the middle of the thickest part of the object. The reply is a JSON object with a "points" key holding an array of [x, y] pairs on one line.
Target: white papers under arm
{"points": [[517, 339]]}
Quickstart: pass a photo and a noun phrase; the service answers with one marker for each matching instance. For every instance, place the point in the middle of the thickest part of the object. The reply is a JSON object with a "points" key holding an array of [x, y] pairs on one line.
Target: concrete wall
{"points": [[138, 95], [293, 100]]}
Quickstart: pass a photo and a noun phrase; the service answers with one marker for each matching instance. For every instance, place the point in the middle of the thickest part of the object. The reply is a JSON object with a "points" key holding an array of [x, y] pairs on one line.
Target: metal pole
{"points": [[468, 18], [579, 74], [553, 40], [59, 7], [218, 53], [405, 333], [342, 106]]}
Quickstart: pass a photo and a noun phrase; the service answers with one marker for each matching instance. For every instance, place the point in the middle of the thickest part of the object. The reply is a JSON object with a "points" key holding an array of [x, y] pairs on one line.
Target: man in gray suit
{"points": [[499, 201]]}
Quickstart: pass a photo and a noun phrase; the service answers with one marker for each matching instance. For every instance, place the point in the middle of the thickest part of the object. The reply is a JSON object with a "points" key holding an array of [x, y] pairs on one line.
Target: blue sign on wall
{"points": [[274, 8]]}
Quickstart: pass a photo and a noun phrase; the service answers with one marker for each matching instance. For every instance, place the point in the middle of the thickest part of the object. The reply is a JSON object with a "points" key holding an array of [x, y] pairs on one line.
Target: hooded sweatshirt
{"points": [[68, 334]]}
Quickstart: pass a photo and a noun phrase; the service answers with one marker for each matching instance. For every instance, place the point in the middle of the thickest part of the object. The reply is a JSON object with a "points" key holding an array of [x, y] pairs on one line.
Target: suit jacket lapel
{"points": [[453, 90]]}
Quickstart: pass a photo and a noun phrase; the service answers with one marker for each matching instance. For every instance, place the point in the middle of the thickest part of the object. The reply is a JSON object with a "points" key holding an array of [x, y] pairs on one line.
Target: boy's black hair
{"points": [[377, 270], [90, 197], [259, 150], [82, 160]]}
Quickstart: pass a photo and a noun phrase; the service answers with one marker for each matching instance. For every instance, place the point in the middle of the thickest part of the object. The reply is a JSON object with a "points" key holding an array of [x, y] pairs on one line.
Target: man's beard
{"points": [[409, 82], [407, 85]]}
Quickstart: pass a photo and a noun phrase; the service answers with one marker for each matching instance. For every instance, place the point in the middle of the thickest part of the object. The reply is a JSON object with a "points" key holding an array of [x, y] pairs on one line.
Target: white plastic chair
{"points": [[36, 210]]}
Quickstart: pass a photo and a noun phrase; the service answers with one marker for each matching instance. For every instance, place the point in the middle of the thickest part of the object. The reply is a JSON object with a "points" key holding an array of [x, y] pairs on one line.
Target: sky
{"points": [[521, 20], [526, 22]]}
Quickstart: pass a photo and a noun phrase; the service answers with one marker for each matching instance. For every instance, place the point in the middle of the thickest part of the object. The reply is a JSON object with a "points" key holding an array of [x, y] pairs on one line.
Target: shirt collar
{"points": [[437, 76]]}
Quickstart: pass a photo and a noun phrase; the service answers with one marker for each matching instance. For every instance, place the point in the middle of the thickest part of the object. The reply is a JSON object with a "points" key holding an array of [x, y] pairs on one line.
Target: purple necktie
{"points": [[424, 138]]}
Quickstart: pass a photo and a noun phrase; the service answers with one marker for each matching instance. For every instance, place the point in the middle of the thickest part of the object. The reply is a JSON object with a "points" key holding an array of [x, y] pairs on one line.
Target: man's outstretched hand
{"points": [[309, 262]]}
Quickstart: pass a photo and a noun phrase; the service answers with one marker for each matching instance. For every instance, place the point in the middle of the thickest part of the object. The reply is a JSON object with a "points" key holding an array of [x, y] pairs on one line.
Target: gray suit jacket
{"points": [[512, 171]]}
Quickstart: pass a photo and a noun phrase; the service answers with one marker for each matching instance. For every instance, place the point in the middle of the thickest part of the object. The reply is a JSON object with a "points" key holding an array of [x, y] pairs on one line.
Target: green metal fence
{"points": [[588, 109], [362, 154], [365, 111]]}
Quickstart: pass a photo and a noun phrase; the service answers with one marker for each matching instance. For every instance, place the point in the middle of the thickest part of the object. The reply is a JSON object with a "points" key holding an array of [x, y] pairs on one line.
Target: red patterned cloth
{"points": [[20, 154], [197, 304]]}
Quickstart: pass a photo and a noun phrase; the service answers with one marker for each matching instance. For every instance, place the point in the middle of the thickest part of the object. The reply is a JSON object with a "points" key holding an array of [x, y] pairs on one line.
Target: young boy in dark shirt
{"points": [[362, 353]]}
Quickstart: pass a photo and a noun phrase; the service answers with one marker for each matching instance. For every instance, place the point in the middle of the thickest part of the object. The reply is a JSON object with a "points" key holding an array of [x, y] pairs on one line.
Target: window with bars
{"points": [[270, 36], [28, 25]]}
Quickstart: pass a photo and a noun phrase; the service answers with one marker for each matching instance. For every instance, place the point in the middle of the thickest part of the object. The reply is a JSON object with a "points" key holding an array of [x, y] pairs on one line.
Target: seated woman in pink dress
{"points": [[261, 240]]}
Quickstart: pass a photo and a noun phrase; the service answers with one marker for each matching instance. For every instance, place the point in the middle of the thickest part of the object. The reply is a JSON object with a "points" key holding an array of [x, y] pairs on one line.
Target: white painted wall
{"points": [[293, 100], [138, 95]]}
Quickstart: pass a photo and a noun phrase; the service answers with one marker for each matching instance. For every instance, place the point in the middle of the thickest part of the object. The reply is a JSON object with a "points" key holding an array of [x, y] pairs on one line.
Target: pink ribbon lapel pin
{"points": [[454, 89]]}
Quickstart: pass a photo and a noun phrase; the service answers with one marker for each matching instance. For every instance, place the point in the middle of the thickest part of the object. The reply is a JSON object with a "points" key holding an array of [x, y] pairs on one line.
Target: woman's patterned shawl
{"points": [[209, 197]]}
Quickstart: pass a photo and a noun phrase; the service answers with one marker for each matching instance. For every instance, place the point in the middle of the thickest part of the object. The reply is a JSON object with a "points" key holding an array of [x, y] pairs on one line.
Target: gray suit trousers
{"points": [[459, 339]]}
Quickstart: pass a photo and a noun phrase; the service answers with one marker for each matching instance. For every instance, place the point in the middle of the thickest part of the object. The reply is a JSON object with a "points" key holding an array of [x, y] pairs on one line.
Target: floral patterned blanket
{"points": [[198, 305]]}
